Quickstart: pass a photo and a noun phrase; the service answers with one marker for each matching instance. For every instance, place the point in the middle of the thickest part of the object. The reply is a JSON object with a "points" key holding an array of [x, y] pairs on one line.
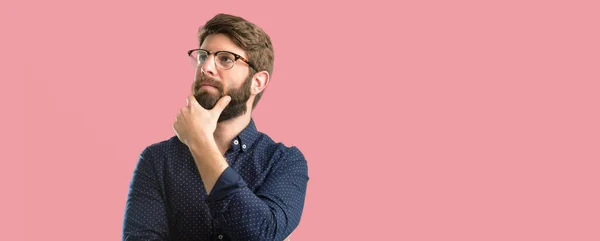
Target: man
{"points": [[219, 178]]}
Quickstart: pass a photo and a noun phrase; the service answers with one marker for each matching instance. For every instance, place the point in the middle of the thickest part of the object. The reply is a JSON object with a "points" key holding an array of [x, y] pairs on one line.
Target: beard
{"points": [[208, 99]]}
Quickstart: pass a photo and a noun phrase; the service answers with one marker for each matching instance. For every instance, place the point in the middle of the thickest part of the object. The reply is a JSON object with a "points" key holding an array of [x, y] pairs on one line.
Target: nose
{"points": [[209, 67]]}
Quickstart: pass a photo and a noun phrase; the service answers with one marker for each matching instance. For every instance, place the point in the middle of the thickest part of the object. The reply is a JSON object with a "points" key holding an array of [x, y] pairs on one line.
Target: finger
{"points": [[180, 113], [222, 103], [190, 100], [175, 126]]}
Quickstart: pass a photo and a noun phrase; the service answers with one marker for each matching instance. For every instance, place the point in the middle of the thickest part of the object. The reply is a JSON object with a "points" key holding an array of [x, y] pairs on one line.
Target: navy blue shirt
{"points": [[260, 196]]}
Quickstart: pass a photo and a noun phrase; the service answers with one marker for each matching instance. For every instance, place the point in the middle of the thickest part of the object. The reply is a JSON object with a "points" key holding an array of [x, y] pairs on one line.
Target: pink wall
{"points": [[436, 120]]}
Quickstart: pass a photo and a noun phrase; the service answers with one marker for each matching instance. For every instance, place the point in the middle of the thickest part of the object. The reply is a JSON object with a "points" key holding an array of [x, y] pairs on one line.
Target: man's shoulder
{"points": [[290, 152], [172, 145], [289, 157], [281, 150]]}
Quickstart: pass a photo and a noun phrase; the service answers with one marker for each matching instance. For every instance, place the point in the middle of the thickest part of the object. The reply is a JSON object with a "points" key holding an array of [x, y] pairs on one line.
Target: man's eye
{"points": [[225, 59]]}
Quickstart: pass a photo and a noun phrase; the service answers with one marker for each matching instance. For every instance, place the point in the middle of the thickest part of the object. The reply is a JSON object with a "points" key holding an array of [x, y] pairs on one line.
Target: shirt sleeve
{"points": [[273, 211], [145, 211]]}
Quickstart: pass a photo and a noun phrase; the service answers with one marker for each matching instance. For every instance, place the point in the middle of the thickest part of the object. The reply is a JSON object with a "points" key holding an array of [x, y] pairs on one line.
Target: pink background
{"points": [[436, 120]]}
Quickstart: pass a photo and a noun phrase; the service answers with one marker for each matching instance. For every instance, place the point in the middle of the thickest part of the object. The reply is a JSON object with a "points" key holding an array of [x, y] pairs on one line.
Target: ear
{"points": [[260, 81]]}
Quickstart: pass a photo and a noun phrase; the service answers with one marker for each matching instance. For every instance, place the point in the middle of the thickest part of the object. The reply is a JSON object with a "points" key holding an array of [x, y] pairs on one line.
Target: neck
{"points": [[229, 129]]}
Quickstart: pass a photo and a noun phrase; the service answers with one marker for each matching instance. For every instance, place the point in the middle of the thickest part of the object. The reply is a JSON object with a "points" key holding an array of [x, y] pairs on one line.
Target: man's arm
{"points": [[145, 212], [270, 213]]}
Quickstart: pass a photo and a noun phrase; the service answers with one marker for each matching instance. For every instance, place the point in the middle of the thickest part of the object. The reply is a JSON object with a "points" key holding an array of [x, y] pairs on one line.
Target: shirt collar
{"points": [[243, 141]]}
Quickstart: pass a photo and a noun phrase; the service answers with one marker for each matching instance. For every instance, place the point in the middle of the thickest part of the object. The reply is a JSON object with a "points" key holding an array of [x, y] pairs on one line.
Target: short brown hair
{"points": [[247, 36]]}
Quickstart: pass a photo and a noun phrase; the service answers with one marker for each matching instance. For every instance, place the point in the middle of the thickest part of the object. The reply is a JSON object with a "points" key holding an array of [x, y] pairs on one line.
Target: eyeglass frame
{"points": [[236, 57]]}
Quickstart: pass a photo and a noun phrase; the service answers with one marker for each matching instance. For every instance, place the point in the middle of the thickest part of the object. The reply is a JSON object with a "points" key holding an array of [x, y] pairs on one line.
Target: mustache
{"points": [[205, 80]]}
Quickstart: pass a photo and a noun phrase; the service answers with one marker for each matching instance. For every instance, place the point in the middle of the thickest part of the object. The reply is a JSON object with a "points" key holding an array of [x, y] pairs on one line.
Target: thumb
{"points": [[191, 100], [222, 103]]}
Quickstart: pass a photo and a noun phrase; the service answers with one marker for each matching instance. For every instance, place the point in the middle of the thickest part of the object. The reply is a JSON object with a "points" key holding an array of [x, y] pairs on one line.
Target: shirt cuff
{"points": [[228, 183]]}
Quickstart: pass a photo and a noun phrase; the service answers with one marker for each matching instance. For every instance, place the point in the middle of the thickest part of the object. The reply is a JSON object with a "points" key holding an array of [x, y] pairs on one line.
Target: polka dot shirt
{"points": [[260, 196]]}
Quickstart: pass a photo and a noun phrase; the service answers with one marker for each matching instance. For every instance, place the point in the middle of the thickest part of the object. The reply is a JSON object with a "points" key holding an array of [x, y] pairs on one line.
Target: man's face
{"points": [[211, 83]]}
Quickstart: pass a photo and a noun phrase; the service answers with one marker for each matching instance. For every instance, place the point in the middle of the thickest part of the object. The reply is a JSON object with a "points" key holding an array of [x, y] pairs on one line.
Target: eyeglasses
{"points": [[223, 59]]}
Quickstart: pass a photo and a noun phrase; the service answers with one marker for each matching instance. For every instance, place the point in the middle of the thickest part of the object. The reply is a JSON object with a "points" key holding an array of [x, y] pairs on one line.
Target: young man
{"points": [[219, 178]]}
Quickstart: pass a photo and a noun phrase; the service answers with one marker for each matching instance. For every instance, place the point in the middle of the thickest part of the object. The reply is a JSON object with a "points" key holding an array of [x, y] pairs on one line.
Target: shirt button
{"points": [[244, 146], [235, 142], [220, 236]]}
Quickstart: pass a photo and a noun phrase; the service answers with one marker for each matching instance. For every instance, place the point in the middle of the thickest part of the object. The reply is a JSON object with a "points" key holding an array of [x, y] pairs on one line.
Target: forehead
{"points": [[221, 42]]}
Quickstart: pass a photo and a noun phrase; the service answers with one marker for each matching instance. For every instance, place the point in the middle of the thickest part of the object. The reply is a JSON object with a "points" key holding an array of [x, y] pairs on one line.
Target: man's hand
{"points": [[195, 125]]}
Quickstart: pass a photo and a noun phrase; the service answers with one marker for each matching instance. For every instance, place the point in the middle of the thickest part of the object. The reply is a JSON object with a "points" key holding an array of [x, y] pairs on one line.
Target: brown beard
{"points": [[239, 97]]}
